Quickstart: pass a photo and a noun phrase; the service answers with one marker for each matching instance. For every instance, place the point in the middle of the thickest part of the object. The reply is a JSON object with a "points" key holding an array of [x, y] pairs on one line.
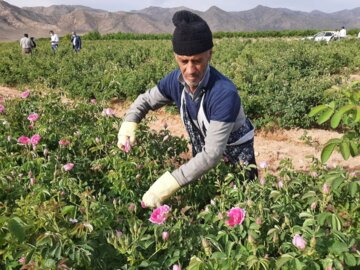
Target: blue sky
{"points": [[227, 5]]}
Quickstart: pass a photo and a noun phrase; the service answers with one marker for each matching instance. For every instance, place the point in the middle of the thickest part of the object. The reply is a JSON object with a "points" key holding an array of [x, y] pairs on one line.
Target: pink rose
{"points": [[24, 140], [160, 214], [68, 166], [64, 142], [127, 146], [25, 94], [32, 181], [93, 100], [313, 206], [326, 188], [118, 233], [263, 164], [280, 184], [262, 181], [352, 174], [236, 216], [176, 267], [2, 108], [165, 236], [22, 260], [33, 117], [258, 221], [131, 207], [35, 139], [143, 204], [73, 220], [299, 242], [108, 111]]}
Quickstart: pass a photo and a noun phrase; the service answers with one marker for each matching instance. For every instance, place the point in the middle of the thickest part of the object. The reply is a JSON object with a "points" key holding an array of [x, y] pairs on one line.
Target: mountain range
{"points": [[63, 19]]}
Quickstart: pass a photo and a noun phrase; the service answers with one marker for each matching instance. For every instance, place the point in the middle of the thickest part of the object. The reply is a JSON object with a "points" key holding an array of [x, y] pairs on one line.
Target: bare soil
{"points": [[299, 145]]}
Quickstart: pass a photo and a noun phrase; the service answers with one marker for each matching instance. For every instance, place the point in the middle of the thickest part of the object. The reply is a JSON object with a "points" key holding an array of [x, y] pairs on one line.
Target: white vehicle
{"points": [[324, 36]]}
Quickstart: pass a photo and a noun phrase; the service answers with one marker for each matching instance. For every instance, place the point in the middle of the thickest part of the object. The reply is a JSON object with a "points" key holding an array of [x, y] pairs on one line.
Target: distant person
{"points": [[54, 40], [358, 35], [33, 43], [25, 44], [343, 32], [76, 42]]}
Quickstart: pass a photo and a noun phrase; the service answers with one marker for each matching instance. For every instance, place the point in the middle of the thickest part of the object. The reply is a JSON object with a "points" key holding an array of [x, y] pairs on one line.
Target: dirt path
{"points": [[270, 147]]}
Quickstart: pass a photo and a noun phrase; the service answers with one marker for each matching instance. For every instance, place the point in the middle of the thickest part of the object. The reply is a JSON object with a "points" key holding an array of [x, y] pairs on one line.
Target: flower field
{"points": [[70, 199]]}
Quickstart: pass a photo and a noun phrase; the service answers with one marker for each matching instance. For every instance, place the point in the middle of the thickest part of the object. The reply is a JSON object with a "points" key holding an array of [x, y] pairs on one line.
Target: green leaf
{"points": [[354, 149], [16, 229], [195, 263], [283, 260], [275, 194], [321, 218], [335, 222], [309, 222], [335, 120], [50, 263], [272, 230], [350, 259], [325, 116], [345, 150], [305, 215], [327, 151], [67, 209], [252, 261], [29, 256], [316, 110], [353, 187], [338, 248], [309, 194], [298, 265], [357, 115]]}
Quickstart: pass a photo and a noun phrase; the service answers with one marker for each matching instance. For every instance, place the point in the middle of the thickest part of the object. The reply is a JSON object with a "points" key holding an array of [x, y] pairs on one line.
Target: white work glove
{"points": [[161, 190], [126, 131]]}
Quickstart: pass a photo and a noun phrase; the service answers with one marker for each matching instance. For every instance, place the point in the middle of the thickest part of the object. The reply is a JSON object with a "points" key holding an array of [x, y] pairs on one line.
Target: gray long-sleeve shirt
{"points": [[218, 130]]}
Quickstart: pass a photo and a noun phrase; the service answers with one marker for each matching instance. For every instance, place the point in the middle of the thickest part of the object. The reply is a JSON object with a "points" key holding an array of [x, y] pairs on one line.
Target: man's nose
{"points": [[191, 68]]}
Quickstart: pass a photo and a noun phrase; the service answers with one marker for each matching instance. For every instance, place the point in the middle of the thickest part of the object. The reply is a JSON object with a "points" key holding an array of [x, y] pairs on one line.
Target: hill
{"points": [[63, 19]]}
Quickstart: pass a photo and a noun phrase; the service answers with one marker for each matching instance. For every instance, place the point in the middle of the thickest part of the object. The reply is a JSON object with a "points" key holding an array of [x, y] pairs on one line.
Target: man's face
{"points": [[193, 67]]}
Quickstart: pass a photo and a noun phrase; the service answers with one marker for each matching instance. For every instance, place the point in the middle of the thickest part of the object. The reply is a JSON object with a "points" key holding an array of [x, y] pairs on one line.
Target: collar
{"points": [[200, 89]]}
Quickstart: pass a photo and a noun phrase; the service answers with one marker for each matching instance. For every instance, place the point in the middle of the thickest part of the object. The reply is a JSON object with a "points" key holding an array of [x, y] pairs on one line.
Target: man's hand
{"points": [[127, 131], [161, 190]]}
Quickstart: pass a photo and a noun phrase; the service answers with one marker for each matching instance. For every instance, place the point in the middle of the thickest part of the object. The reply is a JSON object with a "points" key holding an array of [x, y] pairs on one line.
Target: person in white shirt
{"points": [[343, 32], [25, 44], [358, 35], [54, 40]]}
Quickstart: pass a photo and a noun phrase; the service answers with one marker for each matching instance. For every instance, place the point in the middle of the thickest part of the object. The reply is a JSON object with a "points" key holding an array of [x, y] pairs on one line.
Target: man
{"points": [[25, 44], [209, 105], [54, 40], [33, 43], [342, 32], [76, 42]]}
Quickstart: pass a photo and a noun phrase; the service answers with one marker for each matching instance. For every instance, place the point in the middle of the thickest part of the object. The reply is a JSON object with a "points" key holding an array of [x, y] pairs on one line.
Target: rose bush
{"points": [[91, 216]]}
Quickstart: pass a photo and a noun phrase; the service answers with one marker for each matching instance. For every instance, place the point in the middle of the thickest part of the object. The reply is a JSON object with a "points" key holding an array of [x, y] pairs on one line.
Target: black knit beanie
{"points": [[192, 34]]}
